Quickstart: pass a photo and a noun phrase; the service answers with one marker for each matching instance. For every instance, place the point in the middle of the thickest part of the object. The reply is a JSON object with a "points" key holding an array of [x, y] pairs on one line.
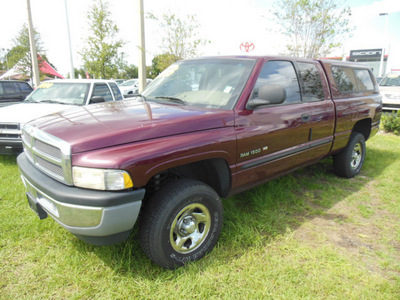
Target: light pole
{"points": [[383, 48], [71, 62], [35, 65], [142, 49]]}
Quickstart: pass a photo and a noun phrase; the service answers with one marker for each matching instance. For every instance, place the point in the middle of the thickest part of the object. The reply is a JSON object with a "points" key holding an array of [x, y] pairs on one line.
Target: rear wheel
{"points": [[180, 223], [349, 162]]}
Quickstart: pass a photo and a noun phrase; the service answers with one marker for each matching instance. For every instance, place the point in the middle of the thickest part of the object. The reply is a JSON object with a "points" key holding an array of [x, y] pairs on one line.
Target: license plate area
{"points": [[36, 207]]}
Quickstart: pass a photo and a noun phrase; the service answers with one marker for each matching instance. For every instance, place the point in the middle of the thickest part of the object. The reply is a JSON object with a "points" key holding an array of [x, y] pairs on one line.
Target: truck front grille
{"points": [[10, 131], [48, 153]]}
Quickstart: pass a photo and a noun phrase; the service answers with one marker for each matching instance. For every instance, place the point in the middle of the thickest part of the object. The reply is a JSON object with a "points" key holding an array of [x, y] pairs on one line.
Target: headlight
{"points": [[101, 179]]}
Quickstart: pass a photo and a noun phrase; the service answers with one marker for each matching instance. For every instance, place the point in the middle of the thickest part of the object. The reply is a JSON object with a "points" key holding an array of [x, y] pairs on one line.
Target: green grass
{"points": [[306, 235]]}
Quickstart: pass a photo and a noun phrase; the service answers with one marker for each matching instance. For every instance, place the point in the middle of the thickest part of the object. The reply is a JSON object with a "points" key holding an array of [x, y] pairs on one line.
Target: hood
{"points": [[109, 124], [25, 112]]}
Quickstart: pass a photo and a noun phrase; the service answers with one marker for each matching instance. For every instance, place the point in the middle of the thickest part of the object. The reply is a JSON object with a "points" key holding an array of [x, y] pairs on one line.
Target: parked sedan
{"points": [[130, 88], [51, 97], [390, 90]]}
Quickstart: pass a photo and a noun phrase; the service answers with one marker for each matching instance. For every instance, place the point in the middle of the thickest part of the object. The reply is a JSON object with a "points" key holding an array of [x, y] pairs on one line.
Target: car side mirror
{"points": [[97, 99], [268, 94]]}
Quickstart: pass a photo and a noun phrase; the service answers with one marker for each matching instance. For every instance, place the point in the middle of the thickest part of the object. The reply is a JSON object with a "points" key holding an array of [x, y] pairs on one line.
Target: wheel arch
{"points": [[363, 127], [214, 172]]}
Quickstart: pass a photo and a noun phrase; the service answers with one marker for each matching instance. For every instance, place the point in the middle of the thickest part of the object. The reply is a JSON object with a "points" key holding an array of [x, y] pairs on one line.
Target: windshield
{"points": [[59, 92], [390, 80], [211, 83]]}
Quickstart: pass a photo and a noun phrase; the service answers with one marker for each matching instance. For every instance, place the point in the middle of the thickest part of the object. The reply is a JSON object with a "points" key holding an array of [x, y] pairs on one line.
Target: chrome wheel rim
{"points": [[190, 228], [356, 156]]}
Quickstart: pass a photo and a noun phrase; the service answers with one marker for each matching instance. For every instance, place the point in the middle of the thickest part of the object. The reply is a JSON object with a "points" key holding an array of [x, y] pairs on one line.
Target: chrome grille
{"points": [[48, 153], [10, 131], [48, 149]]}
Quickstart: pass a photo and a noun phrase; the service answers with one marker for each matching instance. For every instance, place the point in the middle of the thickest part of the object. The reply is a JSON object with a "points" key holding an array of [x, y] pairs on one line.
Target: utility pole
{"points": [[71, 62], [142, 50], [381, 72], [34, 58]]}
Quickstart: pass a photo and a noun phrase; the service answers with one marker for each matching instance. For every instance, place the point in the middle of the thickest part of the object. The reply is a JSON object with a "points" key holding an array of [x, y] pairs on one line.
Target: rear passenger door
{"points": [[272, 139], [315, 92]]}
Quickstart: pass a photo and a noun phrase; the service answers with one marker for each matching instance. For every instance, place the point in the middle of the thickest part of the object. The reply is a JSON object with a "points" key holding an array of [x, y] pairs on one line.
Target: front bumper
{"points": [[97, 217]]}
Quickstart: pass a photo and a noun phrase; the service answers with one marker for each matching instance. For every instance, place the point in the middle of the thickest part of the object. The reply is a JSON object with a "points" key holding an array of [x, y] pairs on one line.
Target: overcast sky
{"points": [[226, 23]]}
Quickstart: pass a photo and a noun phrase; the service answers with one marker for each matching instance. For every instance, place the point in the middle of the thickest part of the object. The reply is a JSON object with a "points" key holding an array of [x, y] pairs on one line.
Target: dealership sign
{"points": [[367, 53]]}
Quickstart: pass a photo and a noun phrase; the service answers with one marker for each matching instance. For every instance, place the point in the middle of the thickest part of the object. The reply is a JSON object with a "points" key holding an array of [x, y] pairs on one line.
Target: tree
{"points": [[100, 57], [21, 52], [180, 36], [314, 27], [160, 63]]}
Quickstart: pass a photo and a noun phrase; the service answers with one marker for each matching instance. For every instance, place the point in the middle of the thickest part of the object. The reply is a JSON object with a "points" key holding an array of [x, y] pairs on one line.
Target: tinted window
{"points": [[102, 90], [279, 73], [344, 79], [8, 88], [116, 91], [364, 80], [24, 87], [312, 89], [1, 89]]}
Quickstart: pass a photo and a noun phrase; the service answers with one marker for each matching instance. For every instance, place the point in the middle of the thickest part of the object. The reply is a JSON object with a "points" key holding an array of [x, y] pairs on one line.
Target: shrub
{"points": [[391, 122]]}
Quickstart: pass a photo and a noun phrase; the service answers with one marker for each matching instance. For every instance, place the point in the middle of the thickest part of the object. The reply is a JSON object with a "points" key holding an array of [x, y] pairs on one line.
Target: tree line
{"points": [[315, 28]]}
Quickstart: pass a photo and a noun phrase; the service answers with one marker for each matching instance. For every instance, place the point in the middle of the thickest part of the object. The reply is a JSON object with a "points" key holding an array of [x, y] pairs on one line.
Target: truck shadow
{"points": [[258, 216]]}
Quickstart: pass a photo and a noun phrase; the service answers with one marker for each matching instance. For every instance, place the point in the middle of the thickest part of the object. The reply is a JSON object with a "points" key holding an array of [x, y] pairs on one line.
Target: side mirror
{"points": [[97, 99], [268, 94]]}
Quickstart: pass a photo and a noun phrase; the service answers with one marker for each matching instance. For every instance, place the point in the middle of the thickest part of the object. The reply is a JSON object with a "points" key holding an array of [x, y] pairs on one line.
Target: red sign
{"points": [[247, 47]]}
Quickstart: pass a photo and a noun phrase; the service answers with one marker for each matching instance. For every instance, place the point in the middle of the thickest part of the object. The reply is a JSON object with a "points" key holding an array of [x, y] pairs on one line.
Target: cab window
{"points": [[102, 90], [279, 73], [312, 89]]}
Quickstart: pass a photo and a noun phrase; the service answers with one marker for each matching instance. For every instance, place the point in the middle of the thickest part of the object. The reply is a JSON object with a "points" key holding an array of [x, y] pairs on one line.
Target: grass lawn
{"points": [[306, 235]]}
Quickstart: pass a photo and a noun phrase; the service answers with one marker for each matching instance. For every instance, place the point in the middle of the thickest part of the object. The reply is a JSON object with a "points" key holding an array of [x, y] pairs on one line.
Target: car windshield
{"points": [[60, 92], [211, 83], [390, 80]]}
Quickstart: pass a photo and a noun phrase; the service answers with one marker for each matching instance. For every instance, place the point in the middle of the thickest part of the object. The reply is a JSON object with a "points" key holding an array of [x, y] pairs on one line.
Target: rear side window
{"points": [[280, 73], [116, 92], [24, 87], [344, 79], [1, 89], [102, 90], [364, 80], [9, 88], [312, 89]]}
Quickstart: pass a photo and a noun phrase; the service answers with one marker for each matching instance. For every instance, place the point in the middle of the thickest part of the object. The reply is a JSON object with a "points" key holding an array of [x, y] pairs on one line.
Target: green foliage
{"points": [[391, 122], [101, 57], [21, 53], [161, 62], [315, 28], [179, 36]]}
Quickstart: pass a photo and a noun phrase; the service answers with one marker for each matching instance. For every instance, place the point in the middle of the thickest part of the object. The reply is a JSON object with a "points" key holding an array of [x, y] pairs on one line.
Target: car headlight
{"points": [[101, 179]]}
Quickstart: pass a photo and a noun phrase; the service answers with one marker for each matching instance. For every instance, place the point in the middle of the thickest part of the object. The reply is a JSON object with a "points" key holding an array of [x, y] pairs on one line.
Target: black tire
{"points": [[349, 162], [180, 223]]}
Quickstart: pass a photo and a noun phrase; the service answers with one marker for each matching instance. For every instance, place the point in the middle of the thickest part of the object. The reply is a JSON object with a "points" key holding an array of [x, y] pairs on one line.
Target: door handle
{"points": [[305, 117]]}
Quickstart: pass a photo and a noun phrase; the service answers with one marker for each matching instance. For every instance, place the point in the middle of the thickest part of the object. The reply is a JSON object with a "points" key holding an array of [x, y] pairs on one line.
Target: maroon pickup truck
{"points": [[205, 129]]}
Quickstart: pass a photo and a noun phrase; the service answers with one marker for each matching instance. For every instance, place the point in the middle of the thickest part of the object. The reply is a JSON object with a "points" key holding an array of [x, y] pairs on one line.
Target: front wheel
{"points": [[180, 223], [349, 162]]}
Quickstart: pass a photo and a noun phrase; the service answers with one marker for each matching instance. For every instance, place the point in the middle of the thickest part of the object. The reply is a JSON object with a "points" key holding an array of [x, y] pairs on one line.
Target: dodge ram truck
{"points": [[205, 129]]}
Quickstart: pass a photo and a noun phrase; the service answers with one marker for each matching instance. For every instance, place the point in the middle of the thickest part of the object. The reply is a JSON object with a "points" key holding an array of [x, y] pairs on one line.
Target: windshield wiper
{"points": [[53, 101], [172, 99]]}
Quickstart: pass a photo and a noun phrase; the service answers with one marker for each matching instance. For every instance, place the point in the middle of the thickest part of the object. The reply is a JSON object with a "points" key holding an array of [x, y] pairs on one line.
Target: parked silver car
{"points": [[390, 90]]}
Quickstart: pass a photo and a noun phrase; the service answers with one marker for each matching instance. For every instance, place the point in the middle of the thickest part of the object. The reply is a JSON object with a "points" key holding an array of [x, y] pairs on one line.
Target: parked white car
{"points": [[390, 91], [51, 97], [130, 88]]}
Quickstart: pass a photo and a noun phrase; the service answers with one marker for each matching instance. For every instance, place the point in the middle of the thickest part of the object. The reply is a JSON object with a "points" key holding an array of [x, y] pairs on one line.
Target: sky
{"points": [[225, 23]]}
